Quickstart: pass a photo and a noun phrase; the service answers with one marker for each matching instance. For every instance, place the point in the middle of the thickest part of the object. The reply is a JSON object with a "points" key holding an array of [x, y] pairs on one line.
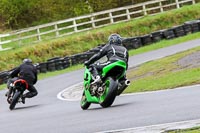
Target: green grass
{"points": [[160, 68], [81, 42], [168, 81], [190, 130], [163, 73]]}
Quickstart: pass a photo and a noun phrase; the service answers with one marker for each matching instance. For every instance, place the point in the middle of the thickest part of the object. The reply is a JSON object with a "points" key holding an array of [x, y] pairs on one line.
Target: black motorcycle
{"points": [[15, 93]]}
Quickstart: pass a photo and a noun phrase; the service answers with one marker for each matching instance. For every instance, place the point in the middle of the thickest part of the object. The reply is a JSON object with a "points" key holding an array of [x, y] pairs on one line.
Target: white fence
{"points": [[87, 22]]}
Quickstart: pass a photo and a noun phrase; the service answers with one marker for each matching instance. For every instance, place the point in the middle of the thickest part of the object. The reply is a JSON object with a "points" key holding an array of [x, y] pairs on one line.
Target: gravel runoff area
{"points": [[190, 61]]}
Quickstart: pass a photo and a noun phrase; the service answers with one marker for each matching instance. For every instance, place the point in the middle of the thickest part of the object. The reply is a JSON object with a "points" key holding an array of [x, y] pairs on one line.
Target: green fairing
{"points": [[110, 66], [90, 98], [95, 99], [87, 81], [87, 77]]}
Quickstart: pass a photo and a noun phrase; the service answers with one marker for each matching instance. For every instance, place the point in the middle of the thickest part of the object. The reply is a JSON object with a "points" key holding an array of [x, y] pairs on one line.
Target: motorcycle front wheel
{"points": [[15, 100], [84, 103]]}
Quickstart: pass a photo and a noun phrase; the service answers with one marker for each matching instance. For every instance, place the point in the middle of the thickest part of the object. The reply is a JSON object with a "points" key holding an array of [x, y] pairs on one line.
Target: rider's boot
{"points": [[97, 79], [96, 76], [6, 94], [9, 100], [23, 99]]}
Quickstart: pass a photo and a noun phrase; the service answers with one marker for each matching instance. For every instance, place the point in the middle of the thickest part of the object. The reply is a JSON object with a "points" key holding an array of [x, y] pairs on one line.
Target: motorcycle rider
{"points": [[114, 52], [28, 72]]}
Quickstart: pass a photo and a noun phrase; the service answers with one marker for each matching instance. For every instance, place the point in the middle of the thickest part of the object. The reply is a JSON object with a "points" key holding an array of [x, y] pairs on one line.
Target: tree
{"points": [[24, 13]]}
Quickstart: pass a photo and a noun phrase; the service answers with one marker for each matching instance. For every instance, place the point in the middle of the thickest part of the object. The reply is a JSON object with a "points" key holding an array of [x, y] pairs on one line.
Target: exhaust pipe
{"points": [[127, 82], [123, 87]]}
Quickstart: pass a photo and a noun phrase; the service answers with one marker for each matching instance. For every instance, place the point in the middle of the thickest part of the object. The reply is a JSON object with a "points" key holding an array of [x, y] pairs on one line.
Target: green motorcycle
{"points": [[104, 92]]}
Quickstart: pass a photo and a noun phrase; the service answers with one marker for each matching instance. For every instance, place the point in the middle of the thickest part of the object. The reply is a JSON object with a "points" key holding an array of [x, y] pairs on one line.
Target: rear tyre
{"points": [[109, 95], [84, 103], [15, 100]]}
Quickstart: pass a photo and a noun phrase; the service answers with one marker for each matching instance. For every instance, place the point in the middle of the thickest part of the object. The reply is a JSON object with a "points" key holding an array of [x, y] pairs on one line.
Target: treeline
{"points": [[15, 14]]}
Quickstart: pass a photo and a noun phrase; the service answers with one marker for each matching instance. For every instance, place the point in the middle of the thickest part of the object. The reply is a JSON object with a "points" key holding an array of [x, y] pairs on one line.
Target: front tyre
{"points": [[15, 100], [109, 95], [84, 103]]}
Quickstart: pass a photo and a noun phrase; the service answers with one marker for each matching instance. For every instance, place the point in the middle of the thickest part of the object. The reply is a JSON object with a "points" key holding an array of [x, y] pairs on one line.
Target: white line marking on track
{"points": [[77, 95], [159, 128]]}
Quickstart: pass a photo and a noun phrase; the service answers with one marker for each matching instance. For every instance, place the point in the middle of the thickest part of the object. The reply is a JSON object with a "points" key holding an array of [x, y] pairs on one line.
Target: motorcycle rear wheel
{"points": [[84, 103], [14, 100], [110, 93]]}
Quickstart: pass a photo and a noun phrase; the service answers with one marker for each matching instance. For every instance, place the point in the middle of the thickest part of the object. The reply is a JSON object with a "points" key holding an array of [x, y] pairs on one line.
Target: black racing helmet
{"points": [[115, 39], [27, 60]]}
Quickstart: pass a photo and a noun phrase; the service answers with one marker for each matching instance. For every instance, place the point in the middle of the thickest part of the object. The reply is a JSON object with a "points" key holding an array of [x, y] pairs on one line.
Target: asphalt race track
{"points": [[47, 114]]}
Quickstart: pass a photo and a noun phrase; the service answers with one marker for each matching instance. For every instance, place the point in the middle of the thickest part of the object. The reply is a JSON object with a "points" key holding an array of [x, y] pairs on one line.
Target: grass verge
{"points": [[190, 130], [161, 69], [163, 73], [81, 42]]}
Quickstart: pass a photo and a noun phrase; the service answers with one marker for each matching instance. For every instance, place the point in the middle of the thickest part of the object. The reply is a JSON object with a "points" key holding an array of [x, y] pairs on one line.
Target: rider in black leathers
{"points": [[113, 50], [28, 72]]}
